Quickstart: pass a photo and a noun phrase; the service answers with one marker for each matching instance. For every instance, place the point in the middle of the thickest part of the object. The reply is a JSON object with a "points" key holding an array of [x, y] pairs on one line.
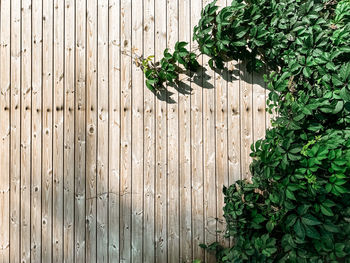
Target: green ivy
{"points": [[167, 70], [296, 208]]}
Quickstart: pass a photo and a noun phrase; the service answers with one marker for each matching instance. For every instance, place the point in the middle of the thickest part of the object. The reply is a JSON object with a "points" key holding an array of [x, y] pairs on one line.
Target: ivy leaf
{"points": [[180, 45], [291, 219], [242, 32], [270, 226], [345, 71], [338, 107], [240, 43], [290, 194], [307, 72], [315, 127], [310, 220], [345, 94], [312, 232], [326, 210], [150, 84], [299, 230]]}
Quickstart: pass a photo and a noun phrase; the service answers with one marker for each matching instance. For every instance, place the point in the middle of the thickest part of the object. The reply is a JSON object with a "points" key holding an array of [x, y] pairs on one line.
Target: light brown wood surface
{"points": [[94, 166]]}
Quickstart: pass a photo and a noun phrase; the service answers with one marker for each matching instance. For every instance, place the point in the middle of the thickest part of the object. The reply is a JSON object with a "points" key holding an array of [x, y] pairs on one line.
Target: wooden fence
{"points": [[94, 167]]}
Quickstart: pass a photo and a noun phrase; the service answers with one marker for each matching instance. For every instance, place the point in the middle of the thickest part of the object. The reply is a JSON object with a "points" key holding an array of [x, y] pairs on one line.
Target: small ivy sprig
{"points": [[167, 70]]}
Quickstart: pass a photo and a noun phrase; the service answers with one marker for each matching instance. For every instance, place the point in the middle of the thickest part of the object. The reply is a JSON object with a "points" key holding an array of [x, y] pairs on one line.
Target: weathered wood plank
{"points": [[114, 129], [15, 154], [137, 135], [197, 144], [259, 107], [68, 170], [91, 131], [173, 228], [221, 144], [46, 227], [161, 135], [80, 140], [26, 103], [58, 78], [209, 154], [246, 119], [185, 142], [36, 131], [125, 133], [5, 63], [102, 133], [234, 123], [149, 140]]}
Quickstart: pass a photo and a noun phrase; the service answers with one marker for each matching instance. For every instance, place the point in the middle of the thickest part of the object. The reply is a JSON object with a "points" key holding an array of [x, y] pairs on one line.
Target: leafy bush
{"points": [[296, 208]]}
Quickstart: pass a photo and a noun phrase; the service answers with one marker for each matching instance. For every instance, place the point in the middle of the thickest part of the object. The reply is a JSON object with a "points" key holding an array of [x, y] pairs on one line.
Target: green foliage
{"points": [[167, 70], [297, 206]]}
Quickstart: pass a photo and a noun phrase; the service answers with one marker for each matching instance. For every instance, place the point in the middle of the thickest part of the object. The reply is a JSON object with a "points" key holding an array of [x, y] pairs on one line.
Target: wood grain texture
{"points": [[91, 131], [46, 197], [80, 129], [37, 112], [234, 123], [210, 213], [94, 166], [221, 122], [173, 226], [125, 132], [5, 94], [102, 132], [26, 103], [161, 142], [185, 142], [149, 141], [137, 135], [259, 107], [69, 147], [15, 154], [58, 101], [114, 130], [197, 144], [246, 105]]}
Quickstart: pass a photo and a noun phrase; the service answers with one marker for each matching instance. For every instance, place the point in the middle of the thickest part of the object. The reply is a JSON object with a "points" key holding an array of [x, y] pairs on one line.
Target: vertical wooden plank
{"points": [[197, 145], [125, 133], [269, 117], [26, 101], [46, 227], [15, 154], [209, 155], [80, 106], [149, 141], [161, 131], [173, 229], [185, 143], [259, 106], [137, 134], [58, 77], [221, 145], [102, 126], [69, 60], [91, 126], [36, 131], [5, 49], [114, 129], [234, 123], [246, 120]]}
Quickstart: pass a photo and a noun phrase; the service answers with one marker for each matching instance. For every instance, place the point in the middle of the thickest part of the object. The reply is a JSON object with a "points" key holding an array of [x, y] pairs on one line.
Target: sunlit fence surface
{"points": [[94, 166]]}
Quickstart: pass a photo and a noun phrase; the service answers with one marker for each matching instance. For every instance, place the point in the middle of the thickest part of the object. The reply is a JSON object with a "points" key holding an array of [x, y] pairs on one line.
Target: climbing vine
{"points": [[296, 208]]}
